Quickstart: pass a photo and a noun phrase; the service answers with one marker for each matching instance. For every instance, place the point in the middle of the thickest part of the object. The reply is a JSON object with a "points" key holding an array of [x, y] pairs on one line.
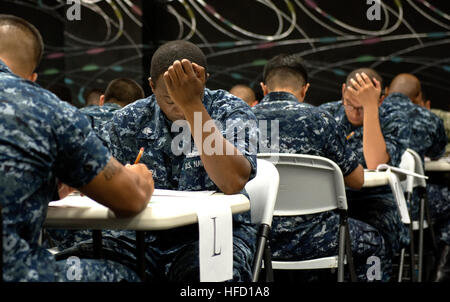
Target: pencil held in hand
{"points": [[139, 155]]}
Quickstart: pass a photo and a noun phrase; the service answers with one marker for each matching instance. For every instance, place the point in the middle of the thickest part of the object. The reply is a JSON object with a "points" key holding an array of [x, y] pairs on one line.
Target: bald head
{"points": [[245, 93], [21, 47], [368, 71], [407, 84]]}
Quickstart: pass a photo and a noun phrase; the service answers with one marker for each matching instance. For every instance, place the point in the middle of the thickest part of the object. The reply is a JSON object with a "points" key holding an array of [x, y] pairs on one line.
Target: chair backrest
{"points": [[411, 161], [308, 184], [263, 191]]}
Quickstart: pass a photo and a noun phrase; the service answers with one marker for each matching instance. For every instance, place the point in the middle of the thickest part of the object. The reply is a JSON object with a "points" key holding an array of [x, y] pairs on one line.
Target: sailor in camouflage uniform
{"points": [[159, 123], [428, 139], [388, 134], [445, 117], [119, 93], [428, 136], [305, 129], [41, 139]]}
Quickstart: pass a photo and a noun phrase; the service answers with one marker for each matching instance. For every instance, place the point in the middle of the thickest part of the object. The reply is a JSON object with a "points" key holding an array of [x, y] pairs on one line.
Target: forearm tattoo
{"points": [[111, 169]]}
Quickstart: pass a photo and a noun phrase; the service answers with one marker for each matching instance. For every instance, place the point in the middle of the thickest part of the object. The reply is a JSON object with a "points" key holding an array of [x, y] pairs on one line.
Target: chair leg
{"points": [[411, 253], [268, 262], [341, 253], [411, 243], [140, 254], [421, 219], [258, 258], [349, 253], [1, 245], [400, 266], [345, 249], [97, 242], [263, 234]]}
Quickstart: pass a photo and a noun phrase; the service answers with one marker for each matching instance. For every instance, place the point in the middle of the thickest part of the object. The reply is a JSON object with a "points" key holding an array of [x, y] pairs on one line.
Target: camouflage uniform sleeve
{"points": [[330, 107], [336, 146], [439, 140], [396, 132], [120, 144], [240, 128], [81, 155]]}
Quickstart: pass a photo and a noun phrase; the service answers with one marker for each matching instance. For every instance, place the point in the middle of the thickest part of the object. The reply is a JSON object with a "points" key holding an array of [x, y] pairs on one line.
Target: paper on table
{"points": [[75, 201], [215, 241], [383, 167], [174, 193]]}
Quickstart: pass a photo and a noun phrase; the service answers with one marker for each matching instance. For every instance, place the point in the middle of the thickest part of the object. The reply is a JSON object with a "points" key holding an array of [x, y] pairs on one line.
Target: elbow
{"points": [[359, 184], [355, 179], [234, 187]]}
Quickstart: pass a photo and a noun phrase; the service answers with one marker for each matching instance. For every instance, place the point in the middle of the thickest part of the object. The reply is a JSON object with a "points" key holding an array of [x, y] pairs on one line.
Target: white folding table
{"points": [[166, 210]]}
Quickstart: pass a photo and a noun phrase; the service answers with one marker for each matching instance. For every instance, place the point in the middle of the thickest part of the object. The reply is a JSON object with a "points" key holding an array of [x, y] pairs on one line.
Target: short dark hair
{"points": [[171, 51], [283, 64], [88, 96], [123, 90], [26, 27]]}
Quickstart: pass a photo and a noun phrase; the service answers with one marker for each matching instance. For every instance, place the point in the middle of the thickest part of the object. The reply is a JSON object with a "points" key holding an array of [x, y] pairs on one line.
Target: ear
{"points": [[264, 88], [428, 104], [381, 100], [254, 103], [304, 90], [343, 90], [152, 84], [102, 100], [33, 77], [386, 91]]}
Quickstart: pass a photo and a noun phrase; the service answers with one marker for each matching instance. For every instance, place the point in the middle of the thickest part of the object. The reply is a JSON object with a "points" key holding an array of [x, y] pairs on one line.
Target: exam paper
{"points": [[384, 167], [174, 193], [75, 200]]}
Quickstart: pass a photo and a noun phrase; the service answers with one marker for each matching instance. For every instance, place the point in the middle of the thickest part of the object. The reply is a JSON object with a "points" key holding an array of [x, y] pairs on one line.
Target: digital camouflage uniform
{"points": [[41, 139], [173, 254], [99, 116], [439, 192], [428, 139], [304, 129], [377, 205], [445, 117]]}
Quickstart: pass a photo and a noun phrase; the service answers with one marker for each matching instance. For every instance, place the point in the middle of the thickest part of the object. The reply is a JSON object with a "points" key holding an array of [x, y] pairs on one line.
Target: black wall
{"points": [[334, 37]]}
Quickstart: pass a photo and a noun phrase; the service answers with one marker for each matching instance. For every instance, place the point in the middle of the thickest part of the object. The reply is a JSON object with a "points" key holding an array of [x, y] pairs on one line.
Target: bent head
{"points": [[245, 93], [409, 85], [353, 108], [286, 73], [162, 59]]}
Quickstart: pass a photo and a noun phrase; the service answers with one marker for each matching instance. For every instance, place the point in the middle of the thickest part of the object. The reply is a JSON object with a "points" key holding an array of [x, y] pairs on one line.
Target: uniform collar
{"points": [[397, 97], [4, 67], [279, 96], [112, 105]]}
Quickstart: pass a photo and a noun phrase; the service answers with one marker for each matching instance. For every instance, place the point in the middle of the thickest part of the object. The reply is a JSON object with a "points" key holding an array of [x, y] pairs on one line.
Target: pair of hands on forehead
{"points": [[364, 90], [185, 82]]}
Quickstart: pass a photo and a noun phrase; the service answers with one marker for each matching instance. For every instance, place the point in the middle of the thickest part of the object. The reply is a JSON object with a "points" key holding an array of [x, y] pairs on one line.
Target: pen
{"points": [[139, 155], [350, 135]]}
